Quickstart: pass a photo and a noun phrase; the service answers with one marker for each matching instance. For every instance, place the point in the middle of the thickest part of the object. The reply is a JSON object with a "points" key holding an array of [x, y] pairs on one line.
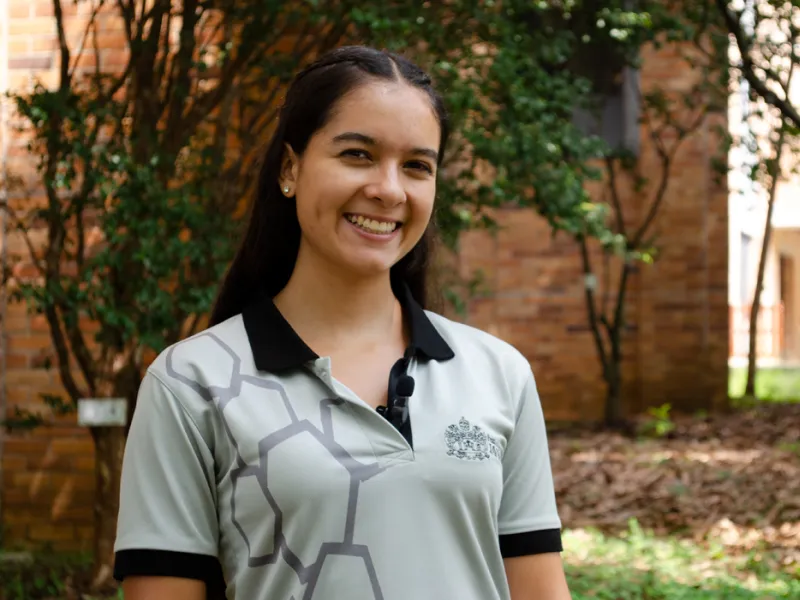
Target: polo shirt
{"points": [[249, 466]]}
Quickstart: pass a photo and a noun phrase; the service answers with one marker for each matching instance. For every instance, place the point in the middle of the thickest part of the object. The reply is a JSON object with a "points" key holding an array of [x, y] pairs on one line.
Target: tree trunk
{"points": [[613, 379], [752, 351], [109, 449]]}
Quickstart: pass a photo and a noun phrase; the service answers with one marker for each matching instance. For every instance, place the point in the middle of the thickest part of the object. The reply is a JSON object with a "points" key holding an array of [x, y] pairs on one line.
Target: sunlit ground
{"points": [[774, 385], [635, 564], [712, 511]]}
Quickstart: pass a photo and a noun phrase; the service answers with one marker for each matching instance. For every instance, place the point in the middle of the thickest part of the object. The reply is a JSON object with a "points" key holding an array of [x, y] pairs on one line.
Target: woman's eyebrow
{"points": [[353, 136], [427, 152]]}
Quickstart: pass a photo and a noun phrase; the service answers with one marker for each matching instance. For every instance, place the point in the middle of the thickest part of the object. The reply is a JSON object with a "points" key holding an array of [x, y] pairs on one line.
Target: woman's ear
{"points": [[290, 166]]}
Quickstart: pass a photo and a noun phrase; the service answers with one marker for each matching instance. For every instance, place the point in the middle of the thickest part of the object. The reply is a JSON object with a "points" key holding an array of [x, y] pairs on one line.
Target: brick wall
{"points": [[46, 491], [675, 348], [676, 345]]}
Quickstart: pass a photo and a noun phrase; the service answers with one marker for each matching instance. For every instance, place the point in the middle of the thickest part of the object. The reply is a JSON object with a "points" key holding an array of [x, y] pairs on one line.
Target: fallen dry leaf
{"points": [[733, 479]]}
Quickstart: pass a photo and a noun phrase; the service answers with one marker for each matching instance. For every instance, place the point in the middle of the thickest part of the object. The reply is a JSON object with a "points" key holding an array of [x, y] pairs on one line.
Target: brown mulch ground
{"points": [[733, 479]]}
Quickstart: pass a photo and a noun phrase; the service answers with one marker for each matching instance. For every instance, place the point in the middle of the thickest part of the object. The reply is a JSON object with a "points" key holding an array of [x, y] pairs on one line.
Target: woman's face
{"points": [[365, 184]]}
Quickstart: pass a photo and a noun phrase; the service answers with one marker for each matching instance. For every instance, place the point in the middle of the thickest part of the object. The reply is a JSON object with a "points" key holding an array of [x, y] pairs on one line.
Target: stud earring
{"points": [[286, 190]]}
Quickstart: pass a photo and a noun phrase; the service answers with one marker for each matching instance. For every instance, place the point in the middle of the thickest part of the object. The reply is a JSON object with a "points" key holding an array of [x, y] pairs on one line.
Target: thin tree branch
{"points": [[666, 159], [91, 24], [62, 353], [594, 321], [128, 13], [774, 170], [194, 321], [606, 282], [164, 64], [180, 75], [81, 352], [19, 225], [64, 74], [614, 192], [748, 66], [619, 310], [232, 68]]}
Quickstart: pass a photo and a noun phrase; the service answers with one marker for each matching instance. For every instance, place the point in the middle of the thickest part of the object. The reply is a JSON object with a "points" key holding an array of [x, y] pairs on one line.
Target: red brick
{"points": [[44, 481], [43, 43], [16, 531], [30, 62], [31, 26], [36, 341], [24, 446], [18, 361], [19, 46], [111, 40], [14, 463], [28, 377], [74, 446], [51, 533], [83, 463], [45, 9], [71, 545], [20, 10]]}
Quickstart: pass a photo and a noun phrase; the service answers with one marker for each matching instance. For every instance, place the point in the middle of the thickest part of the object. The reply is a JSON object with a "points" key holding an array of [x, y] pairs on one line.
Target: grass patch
{"points": [[47, 576], [640, 566], [772, 385]]}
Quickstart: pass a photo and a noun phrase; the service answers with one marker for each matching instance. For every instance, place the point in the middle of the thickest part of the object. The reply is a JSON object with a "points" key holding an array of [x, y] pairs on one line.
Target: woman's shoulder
{"points": [[207, 354], [477, 345]]}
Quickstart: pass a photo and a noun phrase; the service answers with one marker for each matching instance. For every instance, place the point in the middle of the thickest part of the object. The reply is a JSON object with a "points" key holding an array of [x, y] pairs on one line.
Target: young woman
{"points": [[328, 438]]}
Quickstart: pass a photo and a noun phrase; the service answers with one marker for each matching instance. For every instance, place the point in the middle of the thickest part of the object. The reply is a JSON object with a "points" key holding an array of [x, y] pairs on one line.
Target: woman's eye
{"points": [[355, 153], [420, 166]]}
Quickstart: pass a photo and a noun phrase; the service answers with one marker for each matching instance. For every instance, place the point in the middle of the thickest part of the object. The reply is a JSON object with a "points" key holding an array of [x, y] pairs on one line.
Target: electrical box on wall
{"points": [[102, 412]]}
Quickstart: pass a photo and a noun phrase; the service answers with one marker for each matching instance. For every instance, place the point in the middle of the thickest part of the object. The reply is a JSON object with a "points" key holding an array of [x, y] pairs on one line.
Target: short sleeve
{"points": [[167, 523], [528, 519]]}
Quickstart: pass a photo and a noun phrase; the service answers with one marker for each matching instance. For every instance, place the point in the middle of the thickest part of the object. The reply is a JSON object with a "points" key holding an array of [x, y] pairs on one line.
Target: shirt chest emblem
{"points": [[470, 442]]}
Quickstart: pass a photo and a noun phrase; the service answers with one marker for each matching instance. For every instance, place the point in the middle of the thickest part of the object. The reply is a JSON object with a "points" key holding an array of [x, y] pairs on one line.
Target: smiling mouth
{"points": [[373, 226]]}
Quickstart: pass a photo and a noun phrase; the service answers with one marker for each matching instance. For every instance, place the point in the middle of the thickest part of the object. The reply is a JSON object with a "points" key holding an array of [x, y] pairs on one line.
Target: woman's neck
{"points": [[329, 311]]}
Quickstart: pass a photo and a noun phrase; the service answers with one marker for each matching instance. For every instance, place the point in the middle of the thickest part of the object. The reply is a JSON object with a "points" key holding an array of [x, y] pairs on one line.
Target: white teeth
{"points": [[371, 225]]}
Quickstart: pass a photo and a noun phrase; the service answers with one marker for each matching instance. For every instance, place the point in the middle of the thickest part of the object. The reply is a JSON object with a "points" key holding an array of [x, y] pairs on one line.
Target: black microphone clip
{"points": [[398, 404]]}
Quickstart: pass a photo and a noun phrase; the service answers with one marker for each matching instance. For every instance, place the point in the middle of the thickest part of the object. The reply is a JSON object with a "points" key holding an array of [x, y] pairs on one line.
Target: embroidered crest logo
{"points": [[470, 442]]}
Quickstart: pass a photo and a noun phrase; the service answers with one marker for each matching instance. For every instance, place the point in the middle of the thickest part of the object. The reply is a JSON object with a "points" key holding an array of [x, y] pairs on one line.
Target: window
{"points": [[616, 118]]}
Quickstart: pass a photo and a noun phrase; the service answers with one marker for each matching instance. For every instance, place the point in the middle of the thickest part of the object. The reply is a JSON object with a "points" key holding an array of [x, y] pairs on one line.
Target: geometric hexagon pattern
{"points": [[358, 472]]}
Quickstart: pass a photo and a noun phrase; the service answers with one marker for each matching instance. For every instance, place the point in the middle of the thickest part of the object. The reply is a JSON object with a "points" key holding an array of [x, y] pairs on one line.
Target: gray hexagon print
{"points": [[253, 478]]}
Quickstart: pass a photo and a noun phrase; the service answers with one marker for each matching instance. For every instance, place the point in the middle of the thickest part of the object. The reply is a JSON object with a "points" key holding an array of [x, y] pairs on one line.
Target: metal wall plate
{"points": [[102, 412]]}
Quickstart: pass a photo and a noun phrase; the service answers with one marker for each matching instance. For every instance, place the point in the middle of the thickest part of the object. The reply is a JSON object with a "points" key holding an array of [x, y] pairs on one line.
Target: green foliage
{"points": [[513, 75], [658, 422], [639, 565], [23, 419], [43, 576]]}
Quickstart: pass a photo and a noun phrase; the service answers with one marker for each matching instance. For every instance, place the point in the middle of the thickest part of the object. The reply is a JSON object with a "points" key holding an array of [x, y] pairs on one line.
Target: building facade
{"points": [[778, 326]]}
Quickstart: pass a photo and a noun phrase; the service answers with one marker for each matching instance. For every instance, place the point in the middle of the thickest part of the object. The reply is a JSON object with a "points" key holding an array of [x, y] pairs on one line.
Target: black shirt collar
{"points": [[277, 347]]}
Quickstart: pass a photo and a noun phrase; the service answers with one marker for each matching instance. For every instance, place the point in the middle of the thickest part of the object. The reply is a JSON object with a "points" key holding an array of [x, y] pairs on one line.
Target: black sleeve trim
{"points": [[164, 563], [530, 542]]}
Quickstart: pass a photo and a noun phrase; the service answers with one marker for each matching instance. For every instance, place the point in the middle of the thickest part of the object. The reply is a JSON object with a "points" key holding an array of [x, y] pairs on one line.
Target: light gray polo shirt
{"points": [[250, 467]]}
